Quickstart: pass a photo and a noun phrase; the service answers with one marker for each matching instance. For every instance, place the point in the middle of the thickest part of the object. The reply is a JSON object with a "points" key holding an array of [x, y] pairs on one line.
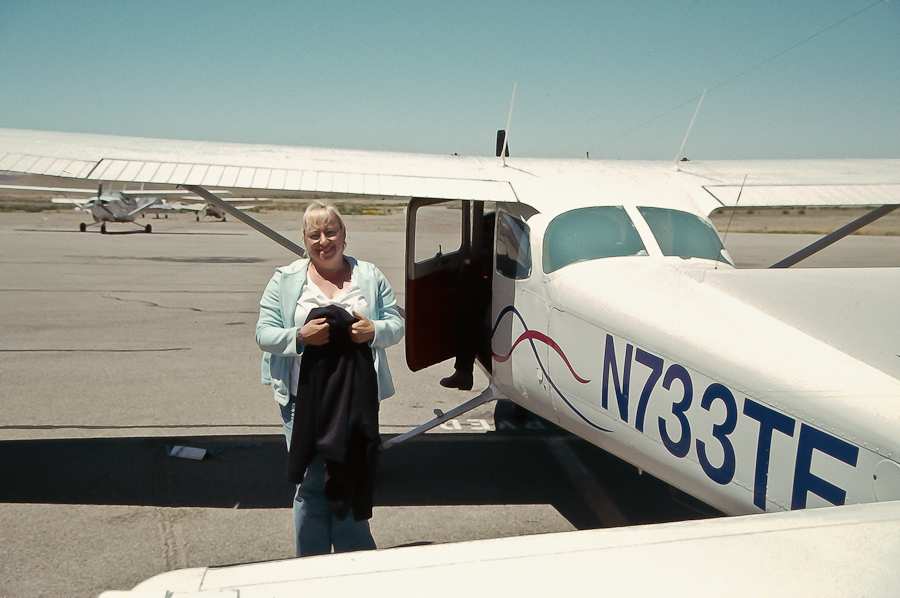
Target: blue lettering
{"points": [[725, 473], [609, 364], [681, 448], [805, 481], [769, 420], [656, 367]]}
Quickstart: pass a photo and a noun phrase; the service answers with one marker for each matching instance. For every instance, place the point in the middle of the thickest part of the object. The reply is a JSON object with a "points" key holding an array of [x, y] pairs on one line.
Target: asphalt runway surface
{"points": [[117, 348]]}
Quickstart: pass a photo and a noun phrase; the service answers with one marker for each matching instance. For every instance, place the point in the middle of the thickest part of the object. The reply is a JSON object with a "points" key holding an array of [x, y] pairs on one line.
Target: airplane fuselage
{"points": [[640, 355], [113, 207]]}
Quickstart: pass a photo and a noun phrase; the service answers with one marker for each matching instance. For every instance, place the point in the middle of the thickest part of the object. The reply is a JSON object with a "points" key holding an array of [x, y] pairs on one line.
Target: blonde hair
{"points": [[317, 213]]}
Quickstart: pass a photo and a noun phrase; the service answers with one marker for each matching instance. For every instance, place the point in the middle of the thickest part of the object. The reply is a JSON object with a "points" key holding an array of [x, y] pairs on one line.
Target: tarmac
{"points": [[116, 348]]}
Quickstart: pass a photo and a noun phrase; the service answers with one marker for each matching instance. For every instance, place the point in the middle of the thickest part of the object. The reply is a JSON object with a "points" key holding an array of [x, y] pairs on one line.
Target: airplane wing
{"points": [[136, 192], [163, 206], [198, 207], [796, 182], [49, 189], [150, 203], [710, 184], [68, 200], [841, 551], [130, 159]]}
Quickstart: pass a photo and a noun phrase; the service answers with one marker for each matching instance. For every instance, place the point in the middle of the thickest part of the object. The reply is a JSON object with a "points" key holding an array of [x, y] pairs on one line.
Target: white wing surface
{"points": [[842, 551], [551, 186], [797, 182], [130, 159]]}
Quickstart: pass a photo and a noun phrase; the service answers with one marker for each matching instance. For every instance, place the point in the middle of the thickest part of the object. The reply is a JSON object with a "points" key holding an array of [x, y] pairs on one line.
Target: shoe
{"points": [[460, 380]]}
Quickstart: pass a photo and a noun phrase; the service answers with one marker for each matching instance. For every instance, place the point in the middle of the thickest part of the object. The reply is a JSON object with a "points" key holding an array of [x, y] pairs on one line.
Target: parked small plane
{"points": [[105, 206], [112, 206], [206, 208], [605, 301]]}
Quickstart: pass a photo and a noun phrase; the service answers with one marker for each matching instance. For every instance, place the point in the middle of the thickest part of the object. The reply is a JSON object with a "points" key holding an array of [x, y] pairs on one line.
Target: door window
{"points": [[513, 248], [439, 230]]}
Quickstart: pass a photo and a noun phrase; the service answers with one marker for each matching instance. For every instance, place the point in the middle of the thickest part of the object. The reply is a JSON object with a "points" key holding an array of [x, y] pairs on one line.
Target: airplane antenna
{"points": [[742, 73], [508, 121], [690, 126], [733, 210]]}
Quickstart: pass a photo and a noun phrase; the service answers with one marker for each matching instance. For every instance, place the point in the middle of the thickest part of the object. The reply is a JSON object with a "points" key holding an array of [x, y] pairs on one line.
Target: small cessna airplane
{"points": [[604, 300], [113, 206], [106, 206], [206, 208], [200, 207]]}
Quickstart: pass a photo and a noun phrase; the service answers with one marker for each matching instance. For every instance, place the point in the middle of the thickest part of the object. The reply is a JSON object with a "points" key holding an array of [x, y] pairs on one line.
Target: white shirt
{"points": [[351, 300]]}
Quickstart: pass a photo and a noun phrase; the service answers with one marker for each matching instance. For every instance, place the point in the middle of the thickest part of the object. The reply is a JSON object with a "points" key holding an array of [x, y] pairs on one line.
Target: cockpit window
{"points": [[513, 248], [590, 234], [684, 234]]}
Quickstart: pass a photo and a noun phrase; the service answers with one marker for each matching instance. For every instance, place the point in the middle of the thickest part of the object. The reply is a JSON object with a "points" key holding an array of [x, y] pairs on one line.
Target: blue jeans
{"points": [[316, 529]]}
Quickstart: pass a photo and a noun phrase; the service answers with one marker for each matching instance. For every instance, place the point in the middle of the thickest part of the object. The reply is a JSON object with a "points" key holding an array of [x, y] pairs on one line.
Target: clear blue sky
{"points": [[438, 77]]}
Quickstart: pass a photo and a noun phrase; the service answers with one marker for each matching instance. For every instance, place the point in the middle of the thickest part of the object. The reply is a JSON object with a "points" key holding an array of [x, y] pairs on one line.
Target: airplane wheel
{"points": [[83, 227], [103, 229], [148, 229], [198, 218]]}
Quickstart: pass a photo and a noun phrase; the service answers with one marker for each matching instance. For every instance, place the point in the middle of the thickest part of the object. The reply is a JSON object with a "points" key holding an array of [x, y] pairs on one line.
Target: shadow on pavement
{"points": [[498, 468]]}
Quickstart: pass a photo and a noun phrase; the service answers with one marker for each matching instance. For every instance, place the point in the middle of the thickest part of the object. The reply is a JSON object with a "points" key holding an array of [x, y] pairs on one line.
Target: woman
{"points": [[326, 277]]}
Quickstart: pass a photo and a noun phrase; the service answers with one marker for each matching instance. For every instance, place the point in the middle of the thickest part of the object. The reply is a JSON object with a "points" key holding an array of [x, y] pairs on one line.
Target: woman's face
{"points": [[325, 243]]}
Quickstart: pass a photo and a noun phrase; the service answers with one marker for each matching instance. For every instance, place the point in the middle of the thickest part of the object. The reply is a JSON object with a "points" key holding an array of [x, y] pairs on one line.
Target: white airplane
{"points": [[206, 208], [613, 309], [105, 206], [199, 207], [112, 206]]}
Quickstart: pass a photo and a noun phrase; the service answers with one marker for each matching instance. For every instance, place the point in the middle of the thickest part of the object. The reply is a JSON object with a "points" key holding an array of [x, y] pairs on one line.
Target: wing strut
{"points": [[248, 220], [837, 235], [489, 394]]}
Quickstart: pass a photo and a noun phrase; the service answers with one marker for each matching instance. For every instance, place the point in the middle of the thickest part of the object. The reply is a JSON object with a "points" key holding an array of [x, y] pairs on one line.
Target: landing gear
{"points": [[103, 229], [82, 227], [148, 229]]}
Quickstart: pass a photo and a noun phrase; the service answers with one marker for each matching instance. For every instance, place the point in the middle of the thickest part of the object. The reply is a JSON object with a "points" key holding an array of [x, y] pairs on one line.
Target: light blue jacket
{"points": [[276, 331]]}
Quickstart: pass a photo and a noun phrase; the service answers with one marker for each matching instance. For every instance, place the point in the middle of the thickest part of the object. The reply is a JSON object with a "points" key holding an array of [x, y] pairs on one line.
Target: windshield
{"points": [[589, 234], [684, 234]]}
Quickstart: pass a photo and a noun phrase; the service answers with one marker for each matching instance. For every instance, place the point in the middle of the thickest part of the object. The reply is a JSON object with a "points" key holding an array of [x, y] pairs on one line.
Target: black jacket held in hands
{"points": [[336, 416]]}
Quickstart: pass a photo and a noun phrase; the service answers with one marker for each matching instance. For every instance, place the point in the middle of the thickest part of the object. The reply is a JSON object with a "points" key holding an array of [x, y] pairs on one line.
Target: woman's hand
{"points": [[315, 332], [362, 330]]}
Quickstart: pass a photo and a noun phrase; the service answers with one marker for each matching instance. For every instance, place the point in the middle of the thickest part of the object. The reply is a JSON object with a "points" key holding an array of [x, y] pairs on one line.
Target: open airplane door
{"points": [[448, 262]]}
